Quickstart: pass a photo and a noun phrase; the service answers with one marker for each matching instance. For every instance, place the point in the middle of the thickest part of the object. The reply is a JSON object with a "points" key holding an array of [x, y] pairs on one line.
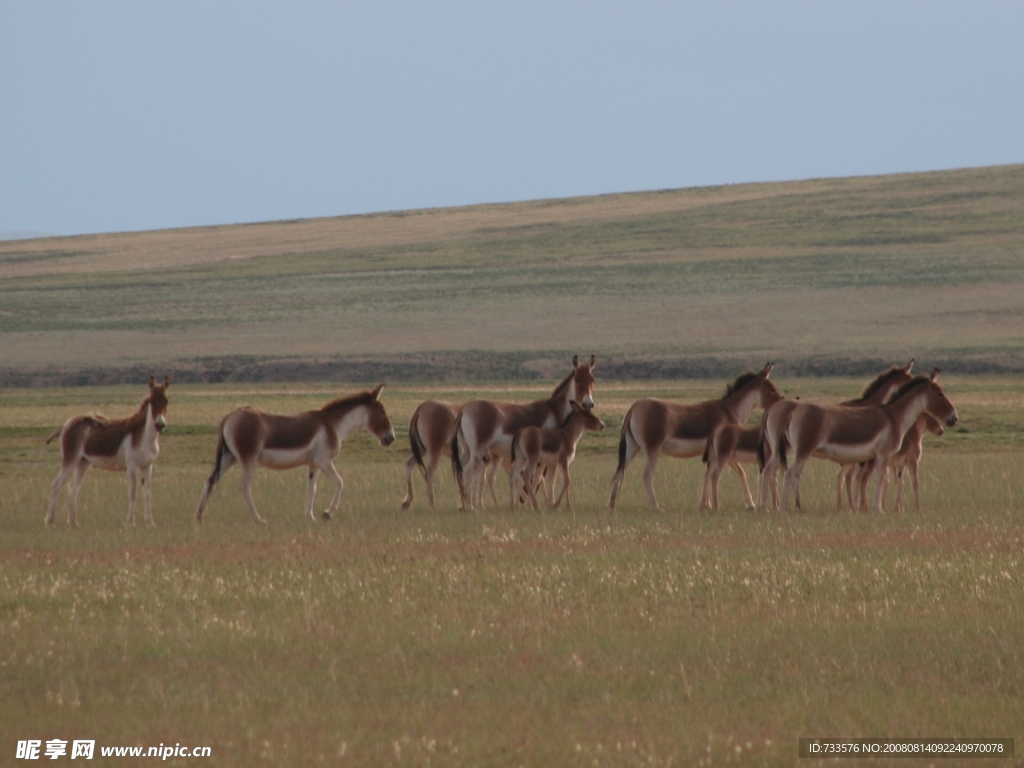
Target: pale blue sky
{"points": [[125, 115]]}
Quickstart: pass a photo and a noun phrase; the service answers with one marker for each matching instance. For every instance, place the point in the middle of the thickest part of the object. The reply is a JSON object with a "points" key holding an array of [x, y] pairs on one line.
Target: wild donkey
{"points": [[119, 445], [548, 449], [252, 437]]}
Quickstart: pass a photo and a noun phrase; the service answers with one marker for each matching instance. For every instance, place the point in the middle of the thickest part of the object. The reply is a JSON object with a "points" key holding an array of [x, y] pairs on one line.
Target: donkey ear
{"points": [[935, 373], [167, 381], [593, 360], [376, 392], [575, 361], [909, 365], [152, 381], [767, 369]]}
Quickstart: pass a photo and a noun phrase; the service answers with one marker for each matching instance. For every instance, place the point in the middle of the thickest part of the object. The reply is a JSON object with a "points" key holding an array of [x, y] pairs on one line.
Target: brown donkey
{"points": [[850, 435], [484, 428], [547, 450], [908, 458], [121, 445], [776, 418], [251, 437], [655, 427], [730, 446], [431, 429]]}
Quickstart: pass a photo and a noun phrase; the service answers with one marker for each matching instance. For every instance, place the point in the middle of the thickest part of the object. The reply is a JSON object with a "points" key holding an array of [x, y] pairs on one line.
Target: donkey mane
{"points": [[349, 402], [564, 385], [741, 381], [880, 381], [914, 383]]}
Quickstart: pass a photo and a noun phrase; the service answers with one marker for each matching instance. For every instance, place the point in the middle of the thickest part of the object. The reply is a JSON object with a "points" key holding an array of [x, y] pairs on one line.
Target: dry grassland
{"points": [[826, 276]]}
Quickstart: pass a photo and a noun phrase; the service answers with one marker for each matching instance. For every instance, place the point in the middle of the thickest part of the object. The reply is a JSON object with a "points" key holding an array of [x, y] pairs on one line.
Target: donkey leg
{"points": [[222, 464], [76, 483], [531, 482], [917, 488], [58, 486], [863, 477], [311, 490], [132, 482], [747, 498], [791, 486], [565, 488], [410, 468], [705, 489], [491, 475], [841, 483], [473, 466], [513, 483], [652, 464], [768, 482], [882, 470], [339, 485], [245, 486], [147, 493], [429, 477]]}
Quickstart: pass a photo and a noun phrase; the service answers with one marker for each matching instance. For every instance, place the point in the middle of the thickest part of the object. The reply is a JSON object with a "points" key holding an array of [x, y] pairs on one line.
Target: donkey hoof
{"points": [[325, 516]]}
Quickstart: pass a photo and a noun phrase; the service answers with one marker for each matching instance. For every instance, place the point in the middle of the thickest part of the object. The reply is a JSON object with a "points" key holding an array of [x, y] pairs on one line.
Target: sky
{"points": [[120, 115]]}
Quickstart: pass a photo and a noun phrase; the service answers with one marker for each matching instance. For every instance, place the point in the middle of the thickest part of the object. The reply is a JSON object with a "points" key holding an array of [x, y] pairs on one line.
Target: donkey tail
{"points": [[54, 436], [415, 444], [457, 469], [626, 434], [218, 462]]}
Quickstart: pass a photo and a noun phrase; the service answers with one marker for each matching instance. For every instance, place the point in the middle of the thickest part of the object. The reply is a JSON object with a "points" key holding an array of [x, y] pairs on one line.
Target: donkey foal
{"points": [[548, 449]]}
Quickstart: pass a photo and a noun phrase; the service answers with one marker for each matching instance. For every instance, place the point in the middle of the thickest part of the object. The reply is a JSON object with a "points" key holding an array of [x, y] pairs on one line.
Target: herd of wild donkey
{"points": [[880, 431]]}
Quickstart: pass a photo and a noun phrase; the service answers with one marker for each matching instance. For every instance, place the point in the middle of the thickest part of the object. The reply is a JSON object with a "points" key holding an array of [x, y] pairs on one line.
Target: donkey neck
{"points": [[881, 394], [573, 429], [906, 410], [142, 426], [345, 421], [555, 410], [740, 404]]}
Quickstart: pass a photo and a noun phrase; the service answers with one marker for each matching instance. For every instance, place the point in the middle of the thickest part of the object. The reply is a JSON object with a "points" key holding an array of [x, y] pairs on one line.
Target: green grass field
{"points": [[390, 637]]}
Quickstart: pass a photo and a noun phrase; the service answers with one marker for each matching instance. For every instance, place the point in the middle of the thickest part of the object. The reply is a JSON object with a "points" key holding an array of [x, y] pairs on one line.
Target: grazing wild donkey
{"points": [[484, 428], [251, 437], [547, 450], [121, 445], [655, 427]]}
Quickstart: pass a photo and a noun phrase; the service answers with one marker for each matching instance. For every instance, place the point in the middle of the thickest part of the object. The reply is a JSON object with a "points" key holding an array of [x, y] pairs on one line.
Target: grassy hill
{"points": [[831, 276]]}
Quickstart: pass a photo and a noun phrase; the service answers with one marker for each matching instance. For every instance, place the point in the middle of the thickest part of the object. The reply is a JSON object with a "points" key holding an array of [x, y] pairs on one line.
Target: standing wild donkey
{"points": [[548, 449], [252, 437], [484, 428], [849, 435], [431, 429], [656, 427], [120, 445]]}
